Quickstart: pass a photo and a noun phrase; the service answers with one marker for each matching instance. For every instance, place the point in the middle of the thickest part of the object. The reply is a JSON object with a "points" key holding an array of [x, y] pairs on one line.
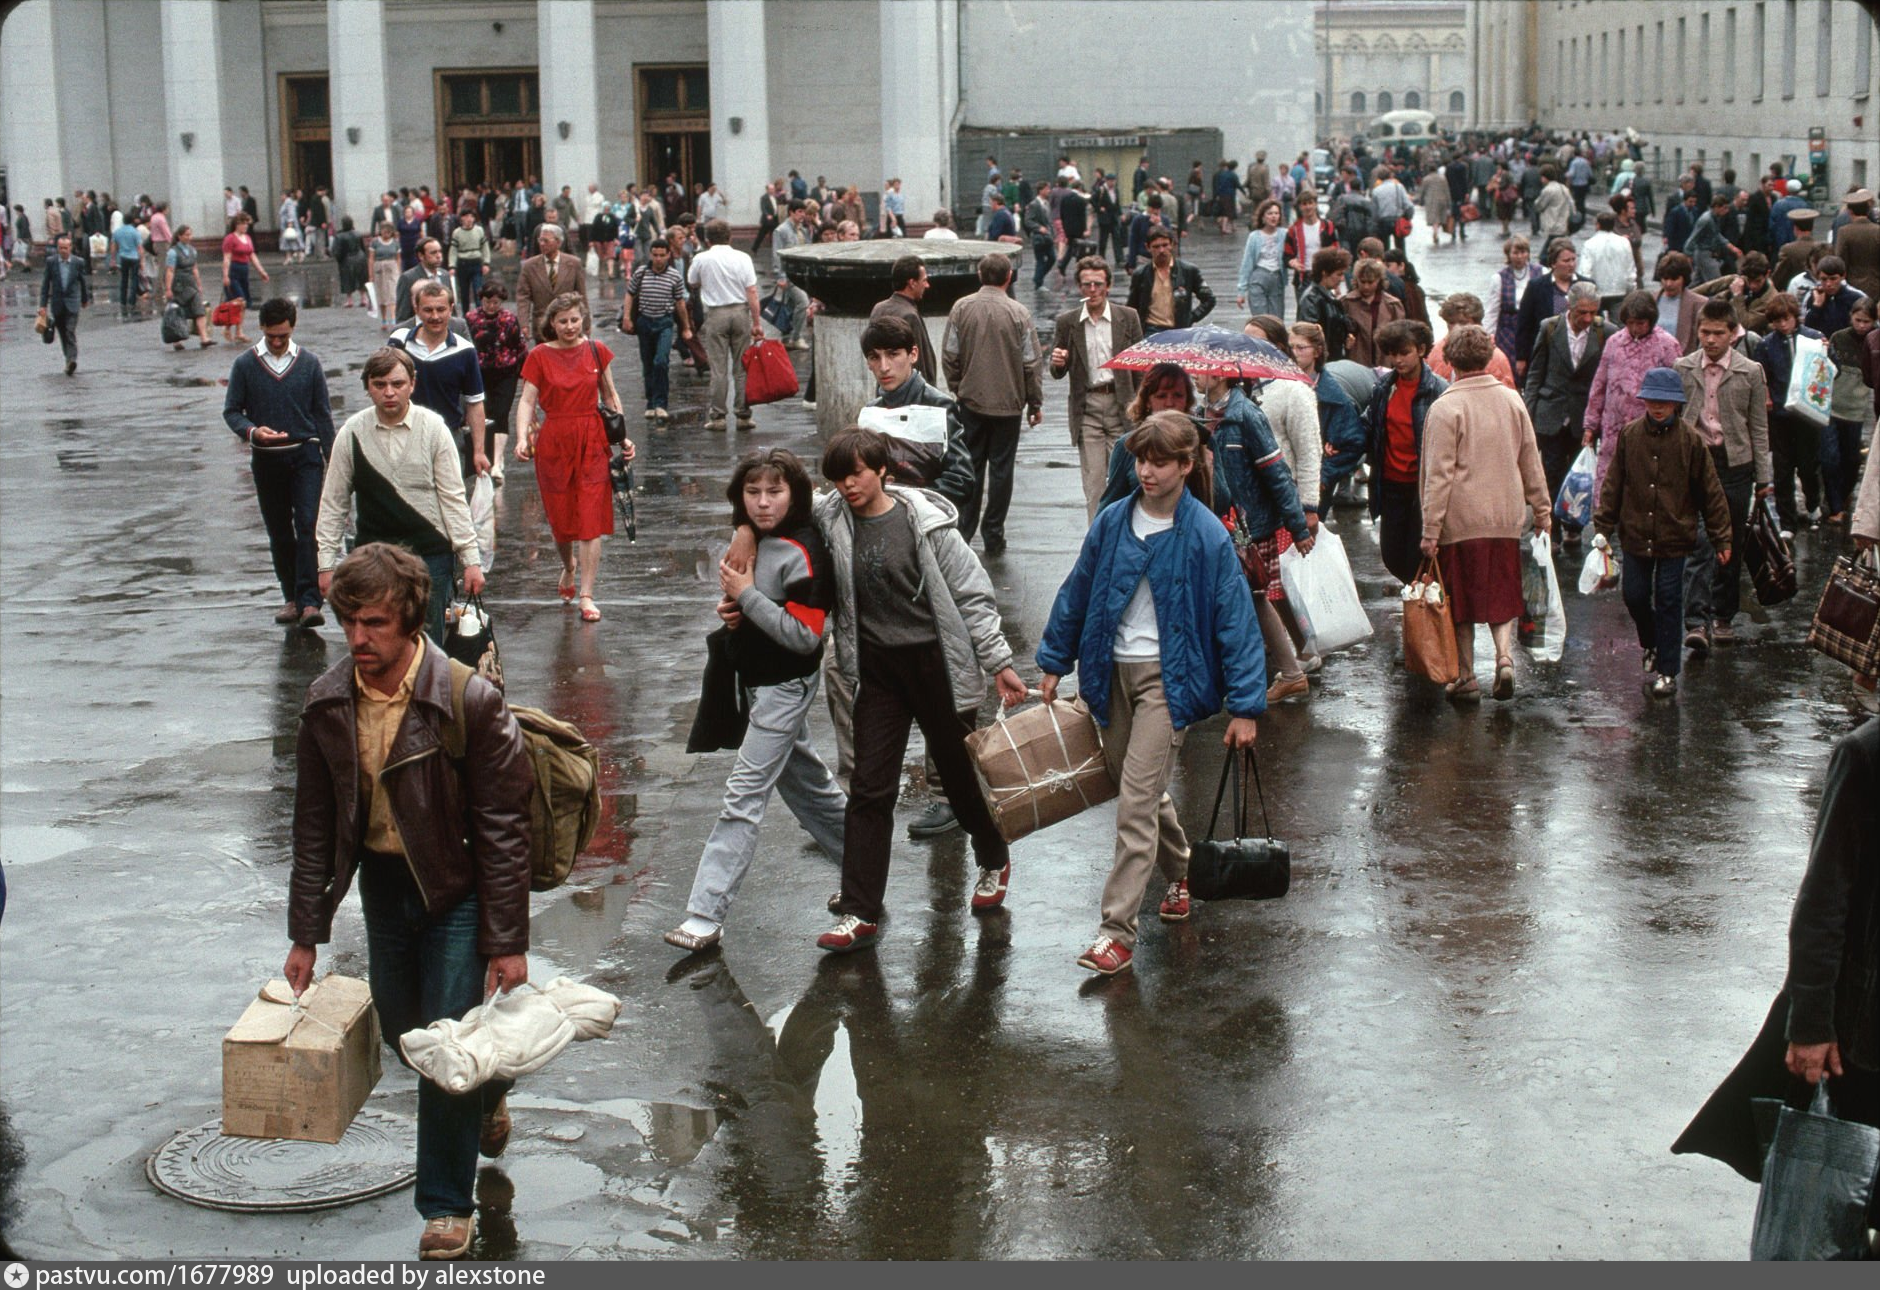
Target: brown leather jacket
{"points": [[490, 801]]}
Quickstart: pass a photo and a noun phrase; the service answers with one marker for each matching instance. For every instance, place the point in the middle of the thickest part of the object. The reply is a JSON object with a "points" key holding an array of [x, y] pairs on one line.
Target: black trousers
{"points": [[287, 484], [1557, 454], [1795, 448], [66, 326], [900, 687], [1400, 525], [1109, 235], [1714, 592], [993, 444]]}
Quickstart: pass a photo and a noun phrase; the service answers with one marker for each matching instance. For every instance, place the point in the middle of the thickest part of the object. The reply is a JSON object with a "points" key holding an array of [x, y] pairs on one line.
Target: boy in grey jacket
{"points": [[916, 633]]}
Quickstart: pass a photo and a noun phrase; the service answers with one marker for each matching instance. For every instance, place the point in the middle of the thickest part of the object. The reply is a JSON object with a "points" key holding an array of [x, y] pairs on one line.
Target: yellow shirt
{"points": [[1161, 299], [378, 717]]}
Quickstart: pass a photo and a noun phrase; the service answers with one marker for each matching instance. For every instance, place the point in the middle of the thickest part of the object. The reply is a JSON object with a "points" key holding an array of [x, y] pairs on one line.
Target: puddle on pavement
{"points": [[24, 844], [192, 382], [674, 1132], [79, 459]]}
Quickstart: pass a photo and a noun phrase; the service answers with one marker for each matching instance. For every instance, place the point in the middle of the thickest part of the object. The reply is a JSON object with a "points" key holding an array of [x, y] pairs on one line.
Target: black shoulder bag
{"points": [[615, 423], [1245, 868]]}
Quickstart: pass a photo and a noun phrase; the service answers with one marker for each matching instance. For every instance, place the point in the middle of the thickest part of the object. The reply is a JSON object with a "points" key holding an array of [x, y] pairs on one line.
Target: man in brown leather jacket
{"points": [[441, 852]]}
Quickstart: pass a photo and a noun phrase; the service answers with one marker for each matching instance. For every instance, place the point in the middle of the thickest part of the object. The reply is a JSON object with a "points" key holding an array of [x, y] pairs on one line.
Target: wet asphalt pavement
{"points": [[1523, 941]]}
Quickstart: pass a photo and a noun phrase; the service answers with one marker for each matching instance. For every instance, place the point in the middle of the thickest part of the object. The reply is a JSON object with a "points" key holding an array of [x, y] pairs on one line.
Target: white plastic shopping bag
{"points": [[1599, 573], [1543, 617], [483, 520], [1323, 595], [593, 264], [1811, 381], [1574, 506]]}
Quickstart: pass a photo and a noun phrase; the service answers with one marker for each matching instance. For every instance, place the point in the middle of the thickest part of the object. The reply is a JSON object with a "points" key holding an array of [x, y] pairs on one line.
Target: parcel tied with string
{"points": [[301, 1070], [1041, 766]]}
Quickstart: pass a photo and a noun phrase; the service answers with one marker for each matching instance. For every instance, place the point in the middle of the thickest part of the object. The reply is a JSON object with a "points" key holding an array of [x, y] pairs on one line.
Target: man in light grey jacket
{"points": [[991, 359], [916, 633]]}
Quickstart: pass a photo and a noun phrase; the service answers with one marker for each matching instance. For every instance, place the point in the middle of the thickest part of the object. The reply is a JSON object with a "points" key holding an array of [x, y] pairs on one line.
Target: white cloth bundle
{"points": [[513, 1035]]}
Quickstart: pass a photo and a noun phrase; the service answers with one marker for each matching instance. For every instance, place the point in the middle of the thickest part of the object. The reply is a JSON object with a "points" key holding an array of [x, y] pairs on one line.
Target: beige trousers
{"points": [[1140, 747], [1104, 423]]}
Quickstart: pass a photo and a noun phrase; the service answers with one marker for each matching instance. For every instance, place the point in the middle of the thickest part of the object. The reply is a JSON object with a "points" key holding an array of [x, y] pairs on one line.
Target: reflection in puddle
{"points": [[674, 1132]]}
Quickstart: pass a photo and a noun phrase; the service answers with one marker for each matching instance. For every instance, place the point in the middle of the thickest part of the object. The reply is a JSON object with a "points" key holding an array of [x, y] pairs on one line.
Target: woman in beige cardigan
{"points": [[1481, 471]]}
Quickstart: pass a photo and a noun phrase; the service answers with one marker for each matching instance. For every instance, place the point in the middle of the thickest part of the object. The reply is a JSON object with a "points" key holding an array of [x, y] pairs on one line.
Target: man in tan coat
{"points": [[544, 277], [1085, 339]]}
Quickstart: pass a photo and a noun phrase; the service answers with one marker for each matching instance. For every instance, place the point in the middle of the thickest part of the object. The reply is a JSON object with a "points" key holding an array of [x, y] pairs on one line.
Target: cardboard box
{"points": [[1041, 766], [300, 1072]]}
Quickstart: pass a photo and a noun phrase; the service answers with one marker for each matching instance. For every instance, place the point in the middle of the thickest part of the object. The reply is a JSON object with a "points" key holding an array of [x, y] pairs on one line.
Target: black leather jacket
{"points": [[464, 833], [1193, 300]]}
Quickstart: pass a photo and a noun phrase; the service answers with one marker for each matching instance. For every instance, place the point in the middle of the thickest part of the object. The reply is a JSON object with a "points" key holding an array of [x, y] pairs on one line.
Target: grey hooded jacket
{"points": [[965, 613]]}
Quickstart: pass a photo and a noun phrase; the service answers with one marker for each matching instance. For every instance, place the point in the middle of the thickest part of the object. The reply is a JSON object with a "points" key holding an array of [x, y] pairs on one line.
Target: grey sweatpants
{"points": [[776, 754]]}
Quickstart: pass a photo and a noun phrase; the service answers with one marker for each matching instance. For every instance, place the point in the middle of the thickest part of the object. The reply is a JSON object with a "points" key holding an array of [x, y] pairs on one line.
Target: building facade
{"points": [[1735, 84], [179, 98], [1378, 56]]}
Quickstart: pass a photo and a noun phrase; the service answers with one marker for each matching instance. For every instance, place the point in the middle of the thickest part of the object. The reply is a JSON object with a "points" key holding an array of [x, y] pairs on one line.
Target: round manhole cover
{"points": [[378, 1154]]}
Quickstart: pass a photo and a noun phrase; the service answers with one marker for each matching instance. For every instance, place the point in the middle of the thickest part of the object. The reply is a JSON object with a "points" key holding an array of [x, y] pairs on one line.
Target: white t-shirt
{"points": [[721, 274], [1137, 640]]}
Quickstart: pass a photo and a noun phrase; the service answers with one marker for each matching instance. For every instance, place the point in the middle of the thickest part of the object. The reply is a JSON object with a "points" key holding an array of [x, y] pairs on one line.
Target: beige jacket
{"points": [[1866, 522], [990, 355], [1481, 464]]}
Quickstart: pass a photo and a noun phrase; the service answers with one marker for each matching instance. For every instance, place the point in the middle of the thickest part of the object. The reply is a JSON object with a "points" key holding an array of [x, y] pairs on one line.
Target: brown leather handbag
{"points": [[1429, 631]]}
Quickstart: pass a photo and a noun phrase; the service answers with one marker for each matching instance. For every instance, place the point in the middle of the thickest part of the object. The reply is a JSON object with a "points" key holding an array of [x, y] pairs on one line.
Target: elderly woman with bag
{"points": [[568, 378], [1613, 402], [1481, 471]]}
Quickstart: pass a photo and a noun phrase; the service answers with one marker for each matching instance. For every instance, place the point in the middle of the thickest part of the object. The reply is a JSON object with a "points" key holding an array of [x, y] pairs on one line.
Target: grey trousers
{"points": [[726, 335], [776, 754], [1140, 746], [1104, 423]]}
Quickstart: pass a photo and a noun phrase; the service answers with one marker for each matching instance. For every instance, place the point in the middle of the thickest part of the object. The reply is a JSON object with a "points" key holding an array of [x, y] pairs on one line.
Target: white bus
{"points": [[1409, 126]]}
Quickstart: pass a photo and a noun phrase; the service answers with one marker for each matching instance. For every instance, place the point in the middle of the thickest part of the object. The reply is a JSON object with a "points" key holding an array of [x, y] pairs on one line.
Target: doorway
{"points": [[307, 133], [497, 160], [489, 128], [674, 111]]}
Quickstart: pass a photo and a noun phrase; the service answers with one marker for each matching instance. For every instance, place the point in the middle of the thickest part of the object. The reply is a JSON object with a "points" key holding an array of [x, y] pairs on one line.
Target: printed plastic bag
{"points": [[1599, 573], [1816, 1184], [1323, 594], [483, 519], [1811, 382], [1543, 616], [1574, 506]]}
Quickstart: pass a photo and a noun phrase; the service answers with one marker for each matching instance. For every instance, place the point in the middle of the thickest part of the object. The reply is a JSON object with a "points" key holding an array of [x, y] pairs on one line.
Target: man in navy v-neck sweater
{"points": [[277, 403]]}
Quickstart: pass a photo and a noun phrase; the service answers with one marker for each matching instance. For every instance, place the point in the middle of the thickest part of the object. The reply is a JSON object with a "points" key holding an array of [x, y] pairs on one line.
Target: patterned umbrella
{"points": [[1211, 351]]}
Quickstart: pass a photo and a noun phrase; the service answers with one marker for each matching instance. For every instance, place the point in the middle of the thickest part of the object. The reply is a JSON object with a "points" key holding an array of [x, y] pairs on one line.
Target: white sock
{"points": [[697, 926]]}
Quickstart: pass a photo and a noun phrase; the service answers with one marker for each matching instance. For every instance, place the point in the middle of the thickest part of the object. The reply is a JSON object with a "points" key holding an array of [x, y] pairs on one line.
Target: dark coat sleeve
{"points": [[1818, 924], [498, 786], [1203, 296], [316, 829]]}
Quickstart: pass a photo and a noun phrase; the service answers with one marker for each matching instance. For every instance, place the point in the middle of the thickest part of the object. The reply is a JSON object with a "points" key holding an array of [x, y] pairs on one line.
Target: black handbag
{"points": [[1245, 868], [1772, 563], [615, 423]]}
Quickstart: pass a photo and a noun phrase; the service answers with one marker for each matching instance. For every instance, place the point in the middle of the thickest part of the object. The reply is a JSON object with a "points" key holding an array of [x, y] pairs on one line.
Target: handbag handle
{"points": [[1231, 767]]}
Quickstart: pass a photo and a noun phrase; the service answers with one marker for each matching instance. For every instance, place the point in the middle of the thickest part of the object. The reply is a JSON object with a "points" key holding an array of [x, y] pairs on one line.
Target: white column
{"points": [[192, 42], [570, 93], [29, 110], [913, 122], [356, 105], [740, 94]]}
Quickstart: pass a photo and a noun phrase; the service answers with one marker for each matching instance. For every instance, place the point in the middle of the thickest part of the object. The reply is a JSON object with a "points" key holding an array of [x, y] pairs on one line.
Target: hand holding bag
{"points": [[1816, 1185], [1429, 633], [613, 422], [1323, 594], [1574, 506], [1245, 868], [1040, 766], [470, 638], [1772, 563], [1847, 621]]}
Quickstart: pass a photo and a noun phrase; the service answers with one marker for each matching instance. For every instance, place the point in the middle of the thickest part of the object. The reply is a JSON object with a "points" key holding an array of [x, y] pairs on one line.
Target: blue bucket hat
{"points": [[1661, 384]]}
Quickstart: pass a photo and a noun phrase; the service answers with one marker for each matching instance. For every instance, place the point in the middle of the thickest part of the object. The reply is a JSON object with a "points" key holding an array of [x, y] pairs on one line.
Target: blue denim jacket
{"points": [[1248, 462]]}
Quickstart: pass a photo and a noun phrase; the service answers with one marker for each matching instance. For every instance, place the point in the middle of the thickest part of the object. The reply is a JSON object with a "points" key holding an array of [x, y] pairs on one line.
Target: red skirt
{"points": [[571, 456], [1269, 548], [1483, 579]]}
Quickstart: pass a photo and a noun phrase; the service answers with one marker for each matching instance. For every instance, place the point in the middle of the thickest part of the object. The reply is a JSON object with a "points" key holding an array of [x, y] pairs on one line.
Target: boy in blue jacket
{"points": [[1158, 623]]}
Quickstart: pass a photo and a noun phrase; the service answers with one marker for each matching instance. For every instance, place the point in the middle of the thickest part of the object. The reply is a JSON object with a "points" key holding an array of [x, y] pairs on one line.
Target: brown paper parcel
{"points": [[1041, 766], [301, 1072]]}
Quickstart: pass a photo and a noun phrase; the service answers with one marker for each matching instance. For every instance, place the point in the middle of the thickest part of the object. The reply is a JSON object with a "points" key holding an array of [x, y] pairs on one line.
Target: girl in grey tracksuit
{"points": [[776, 613]]}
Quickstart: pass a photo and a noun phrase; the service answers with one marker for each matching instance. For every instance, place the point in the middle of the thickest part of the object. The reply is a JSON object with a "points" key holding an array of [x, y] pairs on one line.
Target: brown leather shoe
{"points": [[447, 1237], [493, 1139], [287, 615], [1288, 688]]}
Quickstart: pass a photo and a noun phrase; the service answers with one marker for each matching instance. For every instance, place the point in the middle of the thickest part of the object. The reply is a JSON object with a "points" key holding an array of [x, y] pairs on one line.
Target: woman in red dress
{"points": [[567, 377]]}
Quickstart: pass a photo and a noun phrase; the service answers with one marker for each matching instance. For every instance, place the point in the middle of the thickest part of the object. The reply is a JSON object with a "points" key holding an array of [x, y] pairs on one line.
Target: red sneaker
{"points": [[1175, 903], [849, 933], [989, 891], [1105, 957]]}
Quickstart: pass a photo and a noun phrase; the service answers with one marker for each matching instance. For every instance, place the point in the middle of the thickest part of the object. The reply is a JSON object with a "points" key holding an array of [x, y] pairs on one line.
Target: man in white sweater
{"points": [[399, 462], [1607, 260]]}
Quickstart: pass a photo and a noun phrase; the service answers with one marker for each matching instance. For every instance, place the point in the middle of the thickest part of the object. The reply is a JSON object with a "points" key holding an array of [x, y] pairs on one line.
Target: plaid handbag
{"points": [[1847, 621]]}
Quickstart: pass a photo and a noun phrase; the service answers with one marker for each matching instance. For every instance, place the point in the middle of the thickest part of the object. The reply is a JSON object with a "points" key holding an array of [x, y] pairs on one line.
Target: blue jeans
{"points": [[655, 336], [1654, 596], [1840, 465], [443, 571], [425, 968], [238, 285], [469, 275]]}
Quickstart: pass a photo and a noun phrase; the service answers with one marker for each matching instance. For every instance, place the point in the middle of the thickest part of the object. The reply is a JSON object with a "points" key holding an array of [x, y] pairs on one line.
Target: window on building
{"points": [[1455, 100], [1357, 102], [1788, 48], [1383, 101], [1863, 58], [1681, 63], [1729, 55], [1755, 165], [1824, 48], [1758, 49], [1860, 172], [1658, 62], [1412, 100], [1618, 94], [1703, 58]]}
